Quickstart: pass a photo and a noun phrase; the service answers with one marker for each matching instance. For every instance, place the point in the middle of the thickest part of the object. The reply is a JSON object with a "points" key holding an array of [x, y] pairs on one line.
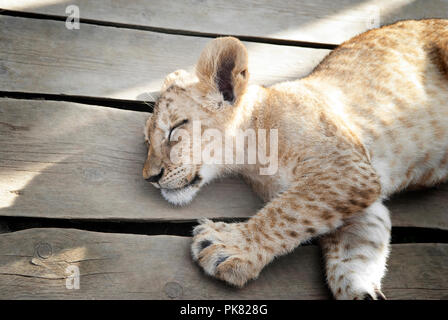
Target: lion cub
{"points": [[370, 120]]}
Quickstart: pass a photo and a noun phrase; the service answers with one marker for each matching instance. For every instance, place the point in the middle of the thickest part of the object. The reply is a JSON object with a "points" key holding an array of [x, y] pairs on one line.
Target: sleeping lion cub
{"points": [[369, 121]]}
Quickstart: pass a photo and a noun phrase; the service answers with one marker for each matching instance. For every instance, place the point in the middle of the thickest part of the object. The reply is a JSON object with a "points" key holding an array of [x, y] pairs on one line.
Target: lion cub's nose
{"points": [[155, 178]]}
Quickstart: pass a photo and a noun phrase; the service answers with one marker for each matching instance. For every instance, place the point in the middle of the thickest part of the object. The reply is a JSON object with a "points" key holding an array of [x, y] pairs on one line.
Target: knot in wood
{"points": [[173, 290]]}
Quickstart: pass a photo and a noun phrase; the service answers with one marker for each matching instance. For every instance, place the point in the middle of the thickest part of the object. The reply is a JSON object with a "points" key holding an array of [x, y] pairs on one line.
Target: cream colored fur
{"points": [[369, 121]]}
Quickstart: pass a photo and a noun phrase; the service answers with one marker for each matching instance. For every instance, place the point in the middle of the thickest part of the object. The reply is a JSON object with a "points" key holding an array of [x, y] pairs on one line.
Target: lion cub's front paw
{"points": [[222, 251]]}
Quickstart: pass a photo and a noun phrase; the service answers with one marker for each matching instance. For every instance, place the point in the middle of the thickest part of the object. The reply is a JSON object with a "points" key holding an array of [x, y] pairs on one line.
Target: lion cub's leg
{"points": [[356, 254], [318, 203]]}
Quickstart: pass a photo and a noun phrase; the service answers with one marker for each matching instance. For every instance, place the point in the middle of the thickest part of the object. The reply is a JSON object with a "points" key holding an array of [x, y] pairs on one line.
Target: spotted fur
{"points": [[369, 121]]}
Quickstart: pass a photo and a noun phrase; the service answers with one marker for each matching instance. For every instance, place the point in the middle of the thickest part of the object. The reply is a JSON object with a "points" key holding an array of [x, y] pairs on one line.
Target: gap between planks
{"points": [[184, 228], [133, 105], [180, 32]]}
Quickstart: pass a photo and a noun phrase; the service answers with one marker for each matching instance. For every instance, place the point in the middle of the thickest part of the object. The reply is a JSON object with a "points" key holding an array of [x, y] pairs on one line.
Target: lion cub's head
{"points": [[210, 98]]}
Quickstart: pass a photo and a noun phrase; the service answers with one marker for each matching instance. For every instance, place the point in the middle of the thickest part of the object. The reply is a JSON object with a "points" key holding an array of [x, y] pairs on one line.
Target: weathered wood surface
{"points": [[423, 208], [67, 160], [316, 21], [116, 266], [45, 57]]}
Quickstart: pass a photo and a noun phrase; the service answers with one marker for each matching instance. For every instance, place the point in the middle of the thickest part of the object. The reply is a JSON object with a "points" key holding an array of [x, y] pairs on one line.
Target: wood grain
{"points": [[116, 266], [43, 56], [425, 208], [67, 160], [321, 21]]}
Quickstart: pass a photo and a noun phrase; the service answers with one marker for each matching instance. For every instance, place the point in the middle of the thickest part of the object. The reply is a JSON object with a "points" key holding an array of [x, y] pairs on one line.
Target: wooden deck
{"points": [[71, 148]]}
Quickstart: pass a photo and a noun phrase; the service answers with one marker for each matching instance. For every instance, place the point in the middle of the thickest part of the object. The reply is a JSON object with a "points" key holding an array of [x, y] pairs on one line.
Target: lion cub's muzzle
{"points": [[173, 178], [177, 184]]}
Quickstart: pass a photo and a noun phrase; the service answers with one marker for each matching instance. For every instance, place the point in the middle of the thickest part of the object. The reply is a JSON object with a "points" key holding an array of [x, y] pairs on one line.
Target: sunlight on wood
{"points": [[52, 267], [146, 92], [345, 23], [13, 182], [18, 171], [28, 4], [319, 21]]}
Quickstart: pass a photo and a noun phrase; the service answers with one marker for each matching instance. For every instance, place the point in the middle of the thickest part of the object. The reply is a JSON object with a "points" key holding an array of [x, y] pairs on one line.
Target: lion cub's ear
{"points": [[222, 67], [179, 78]]}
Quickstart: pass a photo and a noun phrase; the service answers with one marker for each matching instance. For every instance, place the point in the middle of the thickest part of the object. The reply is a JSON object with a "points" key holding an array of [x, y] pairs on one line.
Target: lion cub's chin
{"points": [[185, 195], [180, 197]]}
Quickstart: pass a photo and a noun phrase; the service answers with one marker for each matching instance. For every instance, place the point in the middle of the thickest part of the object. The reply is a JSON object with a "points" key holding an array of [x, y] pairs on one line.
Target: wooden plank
{"points": [[316, 21], [423, 208], [116, 266], [44, 56], [67, 160], [417, 271]]}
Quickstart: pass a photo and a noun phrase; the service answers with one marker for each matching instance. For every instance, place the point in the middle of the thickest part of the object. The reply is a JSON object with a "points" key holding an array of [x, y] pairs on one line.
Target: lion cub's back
{"points": [[395, 82]]}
